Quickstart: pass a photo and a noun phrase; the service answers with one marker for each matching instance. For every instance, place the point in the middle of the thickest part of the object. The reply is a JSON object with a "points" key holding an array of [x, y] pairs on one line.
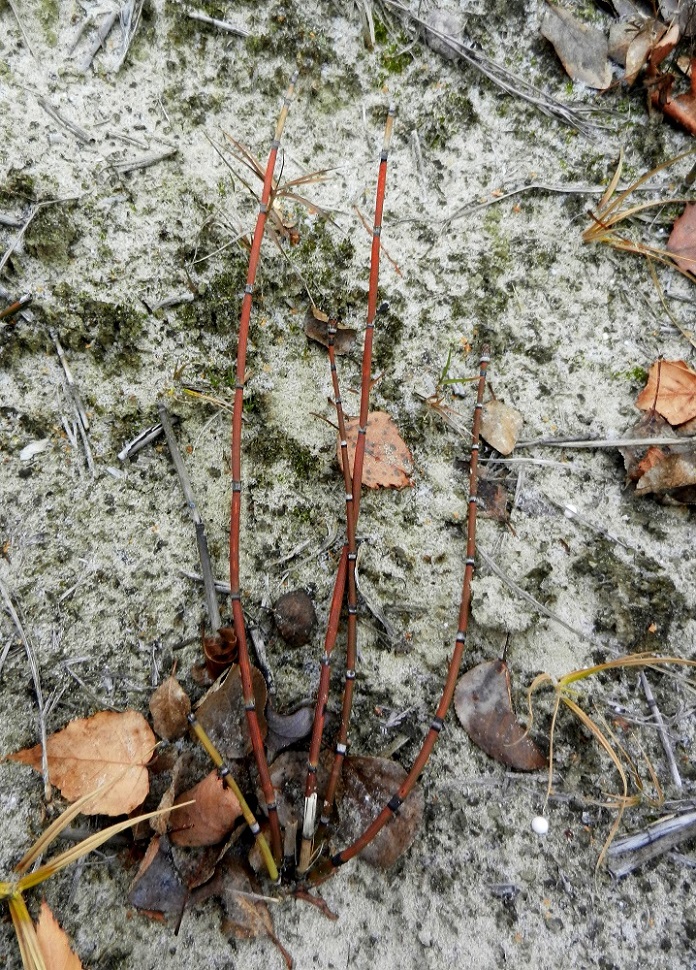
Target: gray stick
{"points": [[661, 730], [33, 666], [206, 568]]}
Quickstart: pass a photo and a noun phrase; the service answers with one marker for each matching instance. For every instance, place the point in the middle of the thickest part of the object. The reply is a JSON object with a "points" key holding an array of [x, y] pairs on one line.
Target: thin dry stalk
{"points": [[34, 668], [612, 211]]}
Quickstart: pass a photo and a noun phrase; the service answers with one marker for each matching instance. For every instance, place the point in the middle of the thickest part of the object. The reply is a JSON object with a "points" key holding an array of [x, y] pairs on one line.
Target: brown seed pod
{"points": [[295, 617]]}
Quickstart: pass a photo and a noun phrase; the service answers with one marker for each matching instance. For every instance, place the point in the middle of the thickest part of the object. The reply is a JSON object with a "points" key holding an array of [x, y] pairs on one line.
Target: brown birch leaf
{"points": [[388, 462], [91, 752], [682, 240], [369, 783], [501, 426], [671, 391], [222, 714], [170, 706], [483, 704], [53, 942], [209, 820], [582, 50]]}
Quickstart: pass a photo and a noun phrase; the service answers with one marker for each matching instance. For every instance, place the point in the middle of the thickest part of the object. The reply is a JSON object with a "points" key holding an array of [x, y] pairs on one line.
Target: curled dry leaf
{"points": [[53, 942], [673, 475], [170, 706], [92, 751], [581, 49], [246, 917], [388, 462], [501, 426], [483, 704], [682, 240], [671, 391], [369, 783], [631, 42], [285, 729], [317, 329], [209, 820], [222, 714], [667, 471]]}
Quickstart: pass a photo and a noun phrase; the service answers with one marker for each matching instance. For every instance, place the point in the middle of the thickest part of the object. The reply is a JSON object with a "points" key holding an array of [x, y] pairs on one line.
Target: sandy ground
{"points": [[95, 560]]}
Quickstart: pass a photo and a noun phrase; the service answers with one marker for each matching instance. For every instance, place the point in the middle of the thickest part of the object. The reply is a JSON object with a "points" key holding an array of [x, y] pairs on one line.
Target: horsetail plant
{"points": [[345, 585]]}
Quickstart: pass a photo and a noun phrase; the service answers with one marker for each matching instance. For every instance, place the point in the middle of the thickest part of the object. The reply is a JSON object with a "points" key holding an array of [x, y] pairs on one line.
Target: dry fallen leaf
{"points": [[245, 916], [209, 820], [170, 706], [483, 704], [222, 714], [286, 729], [632, 42], [388, 462], [501, 426], [682, 240], [671, 391], [369, 784], [53, 942], [157, 886], [581, 49], [92, 751], [674, 475]]}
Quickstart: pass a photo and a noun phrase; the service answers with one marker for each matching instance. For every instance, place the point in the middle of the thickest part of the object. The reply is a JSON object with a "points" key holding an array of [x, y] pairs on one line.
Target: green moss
{"points": [[290, 34], [109, 330], [442, 121], [17, 187], [48, 13], [51, 234], [637, 375], [217, 310], [271, 447], [633, 596]]}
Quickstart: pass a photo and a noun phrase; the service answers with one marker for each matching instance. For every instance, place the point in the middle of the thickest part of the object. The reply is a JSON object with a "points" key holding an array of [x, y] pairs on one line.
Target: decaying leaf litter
{"points": [[572, 331]]}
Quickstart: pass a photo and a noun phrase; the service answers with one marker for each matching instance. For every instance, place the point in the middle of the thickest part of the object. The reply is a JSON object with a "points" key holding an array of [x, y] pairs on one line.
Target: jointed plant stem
{"points": [[346, 572], [235, 514], [329, 867]]}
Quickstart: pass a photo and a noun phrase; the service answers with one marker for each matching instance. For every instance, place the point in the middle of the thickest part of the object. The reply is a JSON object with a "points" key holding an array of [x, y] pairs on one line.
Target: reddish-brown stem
{"points": [[391, 808], [310, 805], [236, 505], [352, 486]]}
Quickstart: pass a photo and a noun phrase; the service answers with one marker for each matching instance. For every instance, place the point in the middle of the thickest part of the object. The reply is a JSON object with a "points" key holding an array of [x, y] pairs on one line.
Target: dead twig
{"points": [[34, 668], [145, 161], [507, 81], [201, 539], [220, 24], [605, 442], [661, 729], [655, 840], [74, 129]]}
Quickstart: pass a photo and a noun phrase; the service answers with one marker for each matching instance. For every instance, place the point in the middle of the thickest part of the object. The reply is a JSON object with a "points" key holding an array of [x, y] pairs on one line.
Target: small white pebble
{"points": [[540, 825]]}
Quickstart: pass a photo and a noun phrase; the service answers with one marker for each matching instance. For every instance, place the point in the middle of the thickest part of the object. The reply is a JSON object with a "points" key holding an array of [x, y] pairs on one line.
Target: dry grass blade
{"points": [[29, 949], [606, 739], [611, 212], [83, 848]]}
